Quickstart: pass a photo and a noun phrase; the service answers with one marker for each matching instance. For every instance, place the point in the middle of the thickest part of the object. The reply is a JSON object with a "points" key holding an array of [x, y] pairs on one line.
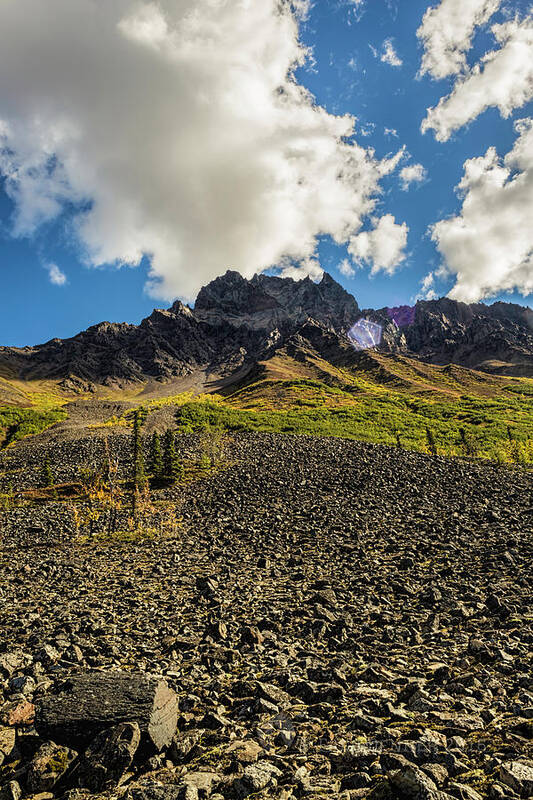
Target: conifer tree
{"points": [[156, 457], [47, 475], [431, 442], [140, 481], [172, 465], [139, 475]]}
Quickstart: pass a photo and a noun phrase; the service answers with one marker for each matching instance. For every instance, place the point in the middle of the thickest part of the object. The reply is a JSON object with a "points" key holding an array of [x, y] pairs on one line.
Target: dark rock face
{"points": [[497, 338], [237, 322], [265, 300], [232, 293]]}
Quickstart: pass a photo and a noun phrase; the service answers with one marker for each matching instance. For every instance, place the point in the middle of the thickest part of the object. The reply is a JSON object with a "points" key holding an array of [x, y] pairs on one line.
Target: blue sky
{"points": [[346, 75]]}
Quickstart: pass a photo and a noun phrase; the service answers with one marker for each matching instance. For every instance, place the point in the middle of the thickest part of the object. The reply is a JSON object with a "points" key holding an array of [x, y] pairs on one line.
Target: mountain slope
{"points": [[496, 338], [237, 324]]}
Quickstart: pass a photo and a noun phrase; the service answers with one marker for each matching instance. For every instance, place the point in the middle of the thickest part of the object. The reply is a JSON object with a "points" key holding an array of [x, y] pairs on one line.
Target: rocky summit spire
{"points": [[237, 322]]}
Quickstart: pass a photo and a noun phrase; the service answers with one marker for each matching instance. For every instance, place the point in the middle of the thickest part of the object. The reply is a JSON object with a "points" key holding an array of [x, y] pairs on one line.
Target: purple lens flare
{"points": [[402, 315], [365, 334]]}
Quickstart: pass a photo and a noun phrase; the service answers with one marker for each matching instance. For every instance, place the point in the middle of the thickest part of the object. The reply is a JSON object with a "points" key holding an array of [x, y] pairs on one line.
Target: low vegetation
{"points": [[448, 411], [16, 423], [123, 501], [499, 429]]}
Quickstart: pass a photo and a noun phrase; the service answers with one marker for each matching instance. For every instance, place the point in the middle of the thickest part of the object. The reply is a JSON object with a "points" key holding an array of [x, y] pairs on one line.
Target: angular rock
{"points": [[518, 775], [7, 743], [18, 714], [463, 792], [199, 784], [256, 777], [246, 752], [413, 784], [108, 756], [49, 765], [11, 791], [12, 661]]}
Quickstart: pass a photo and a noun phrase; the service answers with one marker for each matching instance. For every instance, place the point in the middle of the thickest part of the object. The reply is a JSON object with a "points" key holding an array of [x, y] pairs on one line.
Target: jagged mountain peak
{"points": [[270, 302], [232, 294], [237, 322]]}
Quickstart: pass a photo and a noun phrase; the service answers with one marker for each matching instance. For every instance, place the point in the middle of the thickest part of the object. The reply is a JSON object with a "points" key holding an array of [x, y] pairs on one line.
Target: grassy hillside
{"points": [[500, 429], [40, 395], [370, 396], [16, 423], [379, 398]]}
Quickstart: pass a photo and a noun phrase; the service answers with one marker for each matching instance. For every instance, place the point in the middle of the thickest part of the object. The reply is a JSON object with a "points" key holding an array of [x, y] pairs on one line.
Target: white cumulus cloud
{"points": [[383, 247], [346, 269], [489, 245], [503, 79], [56, 276], [308, 268], [446, 33], [389, 55], [413, 173], [427, 288], [177, 131]]}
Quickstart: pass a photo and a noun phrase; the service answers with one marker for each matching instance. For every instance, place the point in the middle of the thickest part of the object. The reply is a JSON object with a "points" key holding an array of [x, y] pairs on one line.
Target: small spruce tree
{"points": [[47, 475], [172, 465], [157, 467], [140, 481], [431, 442], [139, 475]]}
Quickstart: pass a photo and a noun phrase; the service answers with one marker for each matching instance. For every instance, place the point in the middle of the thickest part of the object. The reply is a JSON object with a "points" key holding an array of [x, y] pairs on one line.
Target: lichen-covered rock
{"points": [[7, 743], [48, 765], [413, 784], [256, 777]]}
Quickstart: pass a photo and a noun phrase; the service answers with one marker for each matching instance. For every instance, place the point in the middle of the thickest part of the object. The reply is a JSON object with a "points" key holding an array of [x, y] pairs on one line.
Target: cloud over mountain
{"points": [[175, 130], [383, 247], [489, 245]]}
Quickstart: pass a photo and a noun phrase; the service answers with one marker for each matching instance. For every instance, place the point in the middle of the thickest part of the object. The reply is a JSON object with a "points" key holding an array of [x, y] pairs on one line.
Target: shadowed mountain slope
{"points": [[237, 324]]}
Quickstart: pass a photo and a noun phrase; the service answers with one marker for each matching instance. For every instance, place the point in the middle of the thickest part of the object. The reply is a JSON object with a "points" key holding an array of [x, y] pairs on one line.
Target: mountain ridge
{"points": [[237, 323]]}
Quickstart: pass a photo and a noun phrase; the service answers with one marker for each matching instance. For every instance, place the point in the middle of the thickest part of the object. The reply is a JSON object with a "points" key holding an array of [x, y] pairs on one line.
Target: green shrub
{"points": [[16, 423], [385, 418]]}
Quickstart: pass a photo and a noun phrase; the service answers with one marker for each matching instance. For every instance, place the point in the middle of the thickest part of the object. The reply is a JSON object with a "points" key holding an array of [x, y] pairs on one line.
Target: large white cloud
{"points": [[383, 247], [446, 32], [489, 245], [503, 79], [177, 130]]}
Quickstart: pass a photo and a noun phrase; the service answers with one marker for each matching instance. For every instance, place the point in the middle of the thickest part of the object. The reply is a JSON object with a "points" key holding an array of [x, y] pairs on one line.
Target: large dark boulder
{"points": [[86, 704]]}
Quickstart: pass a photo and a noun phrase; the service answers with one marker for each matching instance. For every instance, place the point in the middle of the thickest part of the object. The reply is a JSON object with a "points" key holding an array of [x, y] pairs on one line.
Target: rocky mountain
{"points": [[496, 338], [237, 322]]}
